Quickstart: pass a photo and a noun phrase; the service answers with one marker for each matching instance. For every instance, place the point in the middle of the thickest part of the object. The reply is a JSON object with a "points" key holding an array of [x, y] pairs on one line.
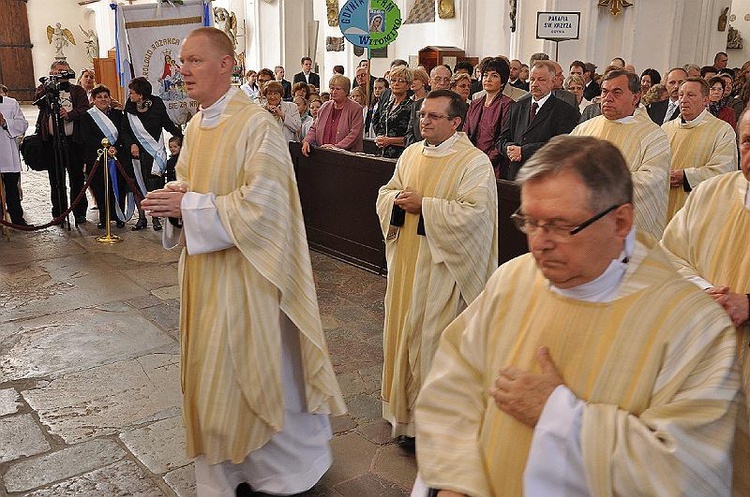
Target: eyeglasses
{"points": [[716, 88], [558, 232], [398, 80], [433, 116]]}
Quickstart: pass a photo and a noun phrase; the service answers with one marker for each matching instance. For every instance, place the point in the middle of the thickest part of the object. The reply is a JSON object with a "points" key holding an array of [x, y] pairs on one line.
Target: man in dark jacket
{"points": [[65, 152], [534, 120]]}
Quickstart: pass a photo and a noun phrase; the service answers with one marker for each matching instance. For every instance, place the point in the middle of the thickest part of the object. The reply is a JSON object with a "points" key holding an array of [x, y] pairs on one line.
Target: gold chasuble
{"points": [[710, 238], [654, 368], [702, 148], [646, 150], [432, 277], [229, 317]]}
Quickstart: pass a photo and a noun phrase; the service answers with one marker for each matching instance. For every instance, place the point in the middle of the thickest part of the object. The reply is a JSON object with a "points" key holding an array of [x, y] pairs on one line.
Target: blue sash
{"points": [[152, 147]]}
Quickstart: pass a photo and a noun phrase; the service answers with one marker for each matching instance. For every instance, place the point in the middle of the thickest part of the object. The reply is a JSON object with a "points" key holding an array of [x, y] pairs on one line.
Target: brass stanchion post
{"points": [[103, 154]]}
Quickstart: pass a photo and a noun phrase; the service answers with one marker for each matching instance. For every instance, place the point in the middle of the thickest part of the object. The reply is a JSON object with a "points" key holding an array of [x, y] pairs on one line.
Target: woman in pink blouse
{"points": [[339, 123]]}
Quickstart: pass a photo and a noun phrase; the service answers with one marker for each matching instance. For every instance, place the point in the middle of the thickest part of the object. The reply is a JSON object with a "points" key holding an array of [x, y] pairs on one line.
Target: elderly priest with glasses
{"points": [[587, 367]]}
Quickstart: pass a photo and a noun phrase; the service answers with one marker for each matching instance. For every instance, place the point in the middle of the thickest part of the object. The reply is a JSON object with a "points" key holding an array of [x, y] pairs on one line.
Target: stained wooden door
{"points": [[16, 65]]}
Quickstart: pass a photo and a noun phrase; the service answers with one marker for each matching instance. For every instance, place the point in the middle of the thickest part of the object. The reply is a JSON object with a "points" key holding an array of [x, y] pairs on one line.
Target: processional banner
{"points": [[154, 33]]}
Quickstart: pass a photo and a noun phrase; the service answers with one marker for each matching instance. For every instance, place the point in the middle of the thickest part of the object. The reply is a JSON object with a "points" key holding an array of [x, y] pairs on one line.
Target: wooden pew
{"points": [[338, 191]]}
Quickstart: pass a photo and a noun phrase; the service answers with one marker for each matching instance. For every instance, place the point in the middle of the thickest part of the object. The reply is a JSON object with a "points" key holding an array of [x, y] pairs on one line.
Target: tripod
{"points": [[61, 158]]}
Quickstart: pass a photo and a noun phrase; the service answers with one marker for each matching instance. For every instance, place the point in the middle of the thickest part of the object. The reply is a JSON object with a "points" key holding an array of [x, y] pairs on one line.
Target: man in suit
{"points": [[666, 110], [363, 68], [720, 60], [307, 76], [515, 70], [534, 120], [557, 88], [286, 85], [592, 88], [440, 79]]}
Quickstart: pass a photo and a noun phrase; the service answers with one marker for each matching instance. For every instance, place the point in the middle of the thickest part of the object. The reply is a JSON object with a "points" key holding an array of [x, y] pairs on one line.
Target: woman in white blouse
{"points": [[286, 113]]}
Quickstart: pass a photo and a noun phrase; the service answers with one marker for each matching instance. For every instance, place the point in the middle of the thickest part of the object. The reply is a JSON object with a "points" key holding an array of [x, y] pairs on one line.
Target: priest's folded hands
{"points": [[165, 202], [522, 394], [409, 200]]}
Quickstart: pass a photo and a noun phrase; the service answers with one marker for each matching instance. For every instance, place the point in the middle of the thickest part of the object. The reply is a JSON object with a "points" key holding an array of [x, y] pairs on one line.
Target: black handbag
{"points": [[32, 151]]}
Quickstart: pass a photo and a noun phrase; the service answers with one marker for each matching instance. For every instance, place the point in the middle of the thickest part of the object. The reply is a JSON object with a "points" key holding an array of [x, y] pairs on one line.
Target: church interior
{"points": [[90, 400]]}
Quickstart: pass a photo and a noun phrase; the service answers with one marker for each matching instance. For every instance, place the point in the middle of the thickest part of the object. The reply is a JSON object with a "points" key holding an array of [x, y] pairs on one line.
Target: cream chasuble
{"points": [[710, 238], [654, 368], [646, 150], [703, 148], [431, 278], [230, 299]]}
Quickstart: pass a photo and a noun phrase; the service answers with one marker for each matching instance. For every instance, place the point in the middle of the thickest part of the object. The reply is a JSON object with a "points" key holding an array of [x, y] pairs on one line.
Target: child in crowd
{"points": [[306, 118], [315, 105], [175, 144]]}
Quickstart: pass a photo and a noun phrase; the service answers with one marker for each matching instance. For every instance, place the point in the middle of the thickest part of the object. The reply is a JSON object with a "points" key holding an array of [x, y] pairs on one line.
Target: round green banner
{"points": [[372, 24]]}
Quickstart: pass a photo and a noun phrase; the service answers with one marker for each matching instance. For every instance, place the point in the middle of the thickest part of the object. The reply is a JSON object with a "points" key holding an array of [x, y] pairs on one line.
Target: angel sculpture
{"points": [[92, 43], [615, 6], [227, 22], [60, 38]]}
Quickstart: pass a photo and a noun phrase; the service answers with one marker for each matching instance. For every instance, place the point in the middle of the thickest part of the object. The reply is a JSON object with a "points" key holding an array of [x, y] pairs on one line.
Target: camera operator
{"points": [[73, 103]]}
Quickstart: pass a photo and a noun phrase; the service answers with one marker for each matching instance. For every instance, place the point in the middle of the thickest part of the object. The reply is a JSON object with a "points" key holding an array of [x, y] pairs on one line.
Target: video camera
{"points": [[54, 83]]}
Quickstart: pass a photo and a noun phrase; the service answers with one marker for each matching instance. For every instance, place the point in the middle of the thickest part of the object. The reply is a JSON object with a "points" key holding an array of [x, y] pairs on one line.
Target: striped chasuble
{"points": [[646, 150], [654, 367], [710, 238], [230, 299], [702, 148], [431, 278]]}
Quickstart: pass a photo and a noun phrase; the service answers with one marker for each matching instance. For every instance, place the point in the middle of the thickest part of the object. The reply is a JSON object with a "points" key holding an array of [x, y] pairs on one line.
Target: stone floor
{"points": [[89, 367]]}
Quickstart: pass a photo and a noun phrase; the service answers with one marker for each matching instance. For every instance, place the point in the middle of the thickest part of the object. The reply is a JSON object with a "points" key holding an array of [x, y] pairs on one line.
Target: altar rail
{"points": [[338, 191]]}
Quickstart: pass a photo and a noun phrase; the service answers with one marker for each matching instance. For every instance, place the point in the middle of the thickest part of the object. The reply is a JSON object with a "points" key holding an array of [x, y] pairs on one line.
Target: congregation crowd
{"points": [[609, 360]]}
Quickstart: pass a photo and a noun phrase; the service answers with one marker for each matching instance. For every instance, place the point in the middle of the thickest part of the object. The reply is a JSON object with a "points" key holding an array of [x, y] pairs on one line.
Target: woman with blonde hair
{"points": [[395, 116], [461, 84], [87, 81], [420, 84], [575, 84]]}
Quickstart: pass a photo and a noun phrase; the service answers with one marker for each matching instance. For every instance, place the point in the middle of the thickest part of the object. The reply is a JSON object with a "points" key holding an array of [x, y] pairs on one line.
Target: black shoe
{"points": [[156, 223], [244, 490], [81, 220], [101, 225], [408, 444], [139, 225], [120, 224]]}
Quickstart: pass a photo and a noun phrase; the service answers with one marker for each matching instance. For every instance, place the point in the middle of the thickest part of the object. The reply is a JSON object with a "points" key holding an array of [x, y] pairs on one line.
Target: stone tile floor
{"points": [[89, 367]]}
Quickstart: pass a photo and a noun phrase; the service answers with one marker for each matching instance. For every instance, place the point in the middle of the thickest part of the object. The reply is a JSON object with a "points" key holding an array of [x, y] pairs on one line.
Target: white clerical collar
{"points": [[605, 287], [627, 119], [211, 115], [441, 148], [542, 100], [684, 123]]}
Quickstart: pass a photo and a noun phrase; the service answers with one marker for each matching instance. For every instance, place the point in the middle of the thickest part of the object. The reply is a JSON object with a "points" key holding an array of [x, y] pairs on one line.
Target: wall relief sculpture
{"points": [[446, 9]]}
